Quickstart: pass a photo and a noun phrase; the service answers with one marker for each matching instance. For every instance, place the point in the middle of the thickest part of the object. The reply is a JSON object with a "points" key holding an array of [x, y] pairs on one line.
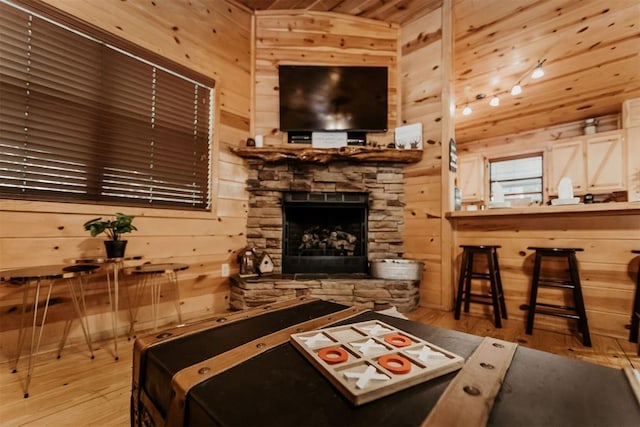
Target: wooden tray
{"points": [[369, 360]]}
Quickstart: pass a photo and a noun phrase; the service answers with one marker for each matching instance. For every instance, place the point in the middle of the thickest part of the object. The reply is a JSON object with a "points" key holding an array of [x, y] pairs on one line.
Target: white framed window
{"points": [[521, 178]]}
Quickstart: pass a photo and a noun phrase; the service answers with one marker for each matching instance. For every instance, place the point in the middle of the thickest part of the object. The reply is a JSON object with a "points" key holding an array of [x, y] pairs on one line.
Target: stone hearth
{"points": [[356, 290]]}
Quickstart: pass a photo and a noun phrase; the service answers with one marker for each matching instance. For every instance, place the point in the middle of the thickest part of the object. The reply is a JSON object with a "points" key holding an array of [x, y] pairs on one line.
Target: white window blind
{"points": [[86, 121]]}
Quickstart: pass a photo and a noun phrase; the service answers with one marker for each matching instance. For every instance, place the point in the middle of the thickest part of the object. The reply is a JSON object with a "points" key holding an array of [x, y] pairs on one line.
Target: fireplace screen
{"points": [[325, 233]]}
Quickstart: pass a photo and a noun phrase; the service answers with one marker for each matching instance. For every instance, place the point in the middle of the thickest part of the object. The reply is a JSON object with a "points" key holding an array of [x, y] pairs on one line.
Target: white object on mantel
{"points": [[565, 193], [498, 198], [259, 141], [328, 139]]}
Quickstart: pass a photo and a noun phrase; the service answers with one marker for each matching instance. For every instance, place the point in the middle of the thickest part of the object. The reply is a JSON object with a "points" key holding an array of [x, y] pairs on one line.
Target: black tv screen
{"points": [[333, 98]]}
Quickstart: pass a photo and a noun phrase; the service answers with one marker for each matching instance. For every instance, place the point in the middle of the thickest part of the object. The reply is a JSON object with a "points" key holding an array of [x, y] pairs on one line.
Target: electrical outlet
{"points": [[224, 270]]}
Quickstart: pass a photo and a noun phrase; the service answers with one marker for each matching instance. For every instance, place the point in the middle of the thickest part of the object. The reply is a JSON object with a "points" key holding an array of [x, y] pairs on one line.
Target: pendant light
{"points": [[538, 71]]}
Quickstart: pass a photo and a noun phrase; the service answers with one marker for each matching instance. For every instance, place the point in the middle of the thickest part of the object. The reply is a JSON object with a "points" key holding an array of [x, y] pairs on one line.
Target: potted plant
{"points": [[113, 228]]}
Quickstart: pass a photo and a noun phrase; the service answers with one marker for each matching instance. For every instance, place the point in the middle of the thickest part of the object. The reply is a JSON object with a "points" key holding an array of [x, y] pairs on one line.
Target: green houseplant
{"points": [[113, 228]]}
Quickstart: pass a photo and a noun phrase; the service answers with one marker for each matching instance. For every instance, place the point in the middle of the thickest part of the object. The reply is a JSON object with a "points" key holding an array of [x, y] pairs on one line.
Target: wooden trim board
{"points": [[468, 400]]}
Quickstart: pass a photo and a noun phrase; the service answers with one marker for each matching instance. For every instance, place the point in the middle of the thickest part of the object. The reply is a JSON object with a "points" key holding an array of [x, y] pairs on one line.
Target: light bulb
{"points": [[466, 110], [537, 72], [516, 89], [495, 101]]}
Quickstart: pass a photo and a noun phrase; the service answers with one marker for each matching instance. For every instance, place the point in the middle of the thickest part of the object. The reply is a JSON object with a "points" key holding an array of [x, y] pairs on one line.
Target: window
{"points": [[520, 179], [83, 119]]}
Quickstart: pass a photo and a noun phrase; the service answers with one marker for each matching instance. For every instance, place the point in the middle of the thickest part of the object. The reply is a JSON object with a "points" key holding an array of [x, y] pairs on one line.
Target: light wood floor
{"points": [[78, 391]]}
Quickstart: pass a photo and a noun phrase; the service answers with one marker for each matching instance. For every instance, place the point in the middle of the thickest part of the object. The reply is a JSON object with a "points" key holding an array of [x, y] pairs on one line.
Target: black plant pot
{"points": [[115, 248]]}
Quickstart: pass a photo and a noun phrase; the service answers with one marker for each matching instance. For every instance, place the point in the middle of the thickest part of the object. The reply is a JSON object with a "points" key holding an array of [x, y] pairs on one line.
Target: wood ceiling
{"points": [[590, 51]]}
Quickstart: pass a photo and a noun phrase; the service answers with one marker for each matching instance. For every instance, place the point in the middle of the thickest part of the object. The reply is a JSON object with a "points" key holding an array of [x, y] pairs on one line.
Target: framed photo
{"points": [[409, 137]]}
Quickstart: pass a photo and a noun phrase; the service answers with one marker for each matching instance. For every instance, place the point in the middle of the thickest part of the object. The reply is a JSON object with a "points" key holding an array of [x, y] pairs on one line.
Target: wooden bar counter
{"points": [[607, 232]]}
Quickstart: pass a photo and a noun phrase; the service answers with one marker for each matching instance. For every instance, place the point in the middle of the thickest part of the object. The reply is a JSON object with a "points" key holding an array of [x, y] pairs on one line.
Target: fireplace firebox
{"points": [[324, 232]]}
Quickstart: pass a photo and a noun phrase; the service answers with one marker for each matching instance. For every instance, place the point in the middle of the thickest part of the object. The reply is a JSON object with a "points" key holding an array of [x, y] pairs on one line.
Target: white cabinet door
{"points": [[606, 165], [471, 177], [567, 159]]}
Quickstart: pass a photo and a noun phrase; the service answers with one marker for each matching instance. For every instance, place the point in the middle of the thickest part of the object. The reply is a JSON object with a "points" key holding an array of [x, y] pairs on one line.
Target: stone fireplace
{"points": [[321, 215]]}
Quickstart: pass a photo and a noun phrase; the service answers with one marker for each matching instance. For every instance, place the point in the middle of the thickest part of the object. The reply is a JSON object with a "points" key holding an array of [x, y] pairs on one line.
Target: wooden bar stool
{"points": [[495, 297], [572, 283], [153, 276], [635, 311]]}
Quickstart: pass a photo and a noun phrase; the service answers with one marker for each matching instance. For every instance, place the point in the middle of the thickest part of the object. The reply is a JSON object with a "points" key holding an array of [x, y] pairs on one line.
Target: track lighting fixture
{"points": [[516, 89]]}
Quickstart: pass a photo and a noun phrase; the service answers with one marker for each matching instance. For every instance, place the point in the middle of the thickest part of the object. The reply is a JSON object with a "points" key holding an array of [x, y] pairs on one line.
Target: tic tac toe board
{"points": [[369, 360]]}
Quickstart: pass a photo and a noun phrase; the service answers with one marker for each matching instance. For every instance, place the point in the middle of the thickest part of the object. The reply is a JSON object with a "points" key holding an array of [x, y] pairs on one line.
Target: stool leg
{"points": [[635, 313], [579, 301], [495, 295], [534, 294], [461, 282], [467, 282], [496, 264], [65, 335]]}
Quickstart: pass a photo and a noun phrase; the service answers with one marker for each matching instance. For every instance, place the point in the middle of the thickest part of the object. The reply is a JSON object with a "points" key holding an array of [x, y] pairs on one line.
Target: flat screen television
{"points": [[333, 98]]}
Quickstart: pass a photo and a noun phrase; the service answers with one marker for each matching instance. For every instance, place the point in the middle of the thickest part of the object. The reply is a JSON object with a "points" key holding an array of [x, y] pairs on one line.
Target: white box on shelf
{"points": [[328, 139], [409, 136]]}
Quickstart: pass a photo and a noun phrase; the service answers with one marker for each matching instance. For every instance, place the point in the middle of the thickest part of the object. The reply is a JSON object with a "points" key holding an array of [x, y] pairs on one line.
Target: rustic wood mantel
{"points": [[326, 155]]}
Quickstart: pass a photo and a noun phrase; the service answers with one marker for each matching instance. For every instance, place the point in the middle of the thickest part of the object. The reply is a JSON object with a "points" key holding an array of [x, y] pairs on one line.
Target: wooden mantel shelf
{"points": [[325, 155]]}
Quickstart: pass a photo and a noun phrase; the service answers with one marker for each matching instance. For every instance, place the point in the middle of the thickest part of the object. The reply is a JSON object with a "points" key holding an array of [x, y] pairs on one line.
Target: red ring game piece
{"points": [[398, 340], [391, 361], [333, 355]]}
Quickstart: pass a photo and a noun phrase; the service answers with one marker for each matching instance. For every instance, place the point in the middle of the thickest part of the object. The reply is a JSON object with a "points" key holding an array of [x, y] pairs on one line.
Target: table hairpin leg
{"points": [[156, 291], [153, 276], [154, 282], [35, 345], [173, 279], [21, 334], [155, 298], [81, 311], [134, 305], [114, 305]]}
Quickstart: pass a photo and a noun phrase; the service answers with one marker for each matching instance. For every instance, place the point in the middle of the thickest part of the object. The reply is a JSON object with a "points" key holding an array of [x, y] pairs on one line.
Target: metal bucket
{"points": [[396, 269]]}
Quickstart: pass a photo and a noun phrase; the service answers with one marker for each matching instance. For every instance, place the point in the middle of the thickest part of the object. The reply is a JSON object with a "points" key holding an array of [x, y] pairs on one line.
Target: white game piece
{"points": [[316, 340], [370, 346], [376, 330], [364, 377], [426, 353]]}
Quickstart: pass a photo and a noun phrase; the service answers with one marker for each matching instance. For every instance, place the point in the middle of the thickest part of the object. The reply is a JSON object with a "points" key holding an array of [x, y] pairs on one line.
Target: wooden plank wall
{"points": [[422, 85], [212, 37], [318, 38]]}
